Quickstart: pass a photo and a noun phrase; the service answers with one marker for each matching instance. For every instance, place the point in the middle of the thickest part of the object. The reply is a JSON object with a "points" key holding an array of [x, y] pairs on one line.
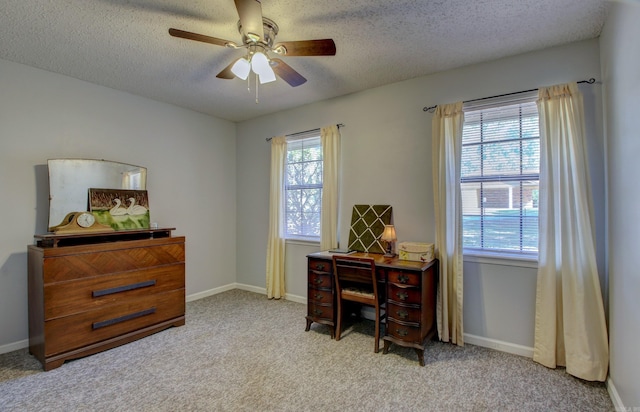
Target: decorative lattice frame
{"points": [[367, 225]]}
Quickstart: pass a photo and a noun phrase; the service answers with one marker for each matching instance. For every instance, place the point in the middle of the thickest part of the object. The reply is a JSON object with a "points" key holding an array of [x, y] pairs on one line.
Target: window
{"points": [[499, 182], [303, 189]]}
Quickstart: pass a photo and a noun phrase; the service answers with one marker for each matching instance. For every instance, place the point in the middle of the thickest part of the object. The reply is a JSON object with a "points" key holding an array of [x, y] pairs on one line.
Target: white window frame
{"points": [[311, 139], [499, 256]]}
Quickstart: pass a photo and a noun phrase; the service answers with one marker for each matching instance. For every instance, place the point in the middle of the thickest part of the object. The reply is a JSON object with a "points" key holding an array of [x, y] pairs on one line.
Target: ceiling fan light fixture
{"points": [[241, 68], [260, 63], [267, 77]]}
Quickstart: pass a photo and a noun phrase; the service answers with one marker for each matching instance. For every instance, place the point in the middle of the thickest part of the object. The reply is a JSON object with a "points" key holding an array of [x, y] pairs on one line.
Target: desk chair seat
{"points": [[355, 281]]}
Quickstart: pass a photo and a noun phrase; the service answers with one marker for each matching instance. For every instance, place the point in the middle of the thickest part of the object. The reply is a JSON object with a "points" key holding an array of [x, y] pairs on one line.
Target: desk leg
{"points": [[385, 350], [309, 322], [420, 353]]}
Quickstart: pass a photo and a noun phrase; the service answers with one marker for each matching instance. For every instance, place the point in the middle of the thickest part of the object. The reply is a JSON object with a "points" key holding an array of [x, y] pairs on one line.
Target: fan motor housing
{"points": [[270, 31]]}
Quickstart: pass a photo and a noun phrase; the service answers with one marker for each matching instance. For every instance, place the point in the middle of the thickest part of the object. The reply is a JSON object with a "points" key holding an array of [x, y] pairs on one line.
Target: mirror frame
{"points": [[70, 180]]}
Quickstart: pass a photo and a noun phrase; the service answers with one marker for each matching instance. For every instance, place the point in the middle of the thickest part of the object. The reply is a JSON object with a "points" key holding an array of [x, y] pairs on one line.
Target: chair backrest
{"points": [[358, 272]]}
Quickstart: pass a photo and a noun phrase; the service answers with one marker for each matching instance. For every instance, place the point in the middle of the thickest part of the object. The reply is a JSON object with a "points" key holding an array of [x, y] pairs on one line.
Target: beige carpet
{"points": [[242, 352]]}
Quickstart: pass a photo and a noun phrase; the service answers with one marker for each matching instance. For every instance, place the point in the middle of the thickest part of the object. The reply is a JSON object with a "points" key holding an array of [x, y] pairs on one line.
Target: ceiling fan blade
{"points": [[199, 37], [287, 73], [250, 12], [226, 73], [322, 47]]}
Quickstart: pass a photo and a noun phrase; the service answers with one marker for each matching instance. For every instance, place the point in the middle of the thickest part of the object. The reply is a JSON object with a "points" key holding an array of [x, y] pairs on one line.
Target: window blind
{"points": [[500, 169]]}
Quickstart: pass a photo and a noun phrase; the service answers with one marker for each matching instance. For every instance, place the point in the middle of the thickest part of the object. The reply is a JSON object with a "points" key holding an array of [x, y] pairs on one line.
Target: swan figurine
{"points": [[134, 209], [117, 210]]}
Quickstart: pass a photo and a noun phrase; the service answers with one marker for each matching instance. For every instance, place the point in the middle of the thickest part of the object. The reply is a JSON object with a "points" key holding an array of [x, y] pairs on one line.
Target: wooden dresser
{"points": [[89, 293], [410, 299]]}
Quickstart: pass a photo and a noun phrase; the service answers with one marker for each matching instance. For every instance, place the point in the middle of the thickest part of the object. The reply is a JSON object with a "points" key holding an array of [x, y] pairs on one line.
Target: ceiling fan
{"points": [[258, 37]]}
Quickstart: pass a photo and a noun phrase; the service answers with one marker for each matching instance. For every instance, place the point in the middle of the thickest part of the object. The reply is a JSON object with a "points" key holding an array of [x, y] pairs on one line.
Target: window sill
{"points": [[302, 242], [502, 259]]}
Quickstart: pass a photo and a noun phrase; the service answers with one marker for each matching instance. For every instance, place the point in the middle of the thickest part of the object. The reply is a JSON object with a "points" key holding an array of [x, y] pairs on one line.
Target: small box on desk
{"points": [[416, 251]]}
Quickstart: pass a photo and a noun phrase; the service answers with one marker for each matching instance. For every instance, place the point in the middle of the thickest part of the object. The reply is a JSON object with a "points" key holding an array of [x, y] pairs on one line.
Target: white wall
{"points": [[387, 160], [620, 63], [191, 173]]}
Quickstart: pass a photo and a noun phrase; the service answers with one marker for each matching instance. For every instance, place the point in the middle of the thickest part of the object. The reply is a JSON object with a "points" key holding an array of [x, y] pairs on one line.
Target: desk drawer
{"points": [[406, 332], [403, 278], [320, 280], [320, 296], [408, 295], [67, 298], [320, 311], [71, 332], [319, 265], [404, 313]]}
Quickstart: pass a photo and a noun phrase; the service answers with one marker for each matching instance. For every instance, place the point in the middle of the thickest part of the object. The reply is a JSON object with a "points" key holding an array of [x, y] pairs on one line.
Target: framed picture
{"points": [[120, 208]]}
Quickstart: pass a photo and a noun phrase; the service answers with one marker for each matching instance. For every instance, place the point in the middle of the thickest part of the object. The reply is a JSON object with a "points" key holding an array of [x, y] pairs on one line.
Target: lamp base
{"points": [[389, 255]]}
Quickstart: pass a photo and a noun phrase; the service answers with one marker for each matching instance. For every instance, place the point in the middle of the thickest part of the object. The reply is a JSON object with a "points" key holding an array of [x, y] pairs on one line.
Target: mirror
{"points": [[70, 180]]}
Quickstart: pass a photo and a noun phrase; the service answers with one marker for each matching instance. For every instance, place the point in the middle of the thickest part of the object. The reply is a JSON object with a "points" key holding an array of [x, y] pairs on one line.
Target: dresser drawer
{"points": [[320, 280], [67, 298], [71, 332], [320, 265], [82, 265], [408, 295], [320, 311], [404, 313], [320, 296], [403, 278], [404, 331]]}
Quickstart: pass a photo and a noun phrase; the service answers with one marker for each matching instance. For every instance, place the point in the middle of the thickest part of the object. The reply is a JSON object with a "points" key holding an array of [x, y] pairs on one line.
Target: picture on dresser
{"points": [[120, 209]]}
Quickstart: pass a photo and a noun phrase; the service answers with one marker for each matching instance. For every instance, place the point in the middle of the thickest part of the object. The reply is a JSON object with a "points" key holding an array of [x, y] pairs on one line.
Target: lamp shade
{"points": [[260, 64], [241, 68], [389, 234], [267, 77]]}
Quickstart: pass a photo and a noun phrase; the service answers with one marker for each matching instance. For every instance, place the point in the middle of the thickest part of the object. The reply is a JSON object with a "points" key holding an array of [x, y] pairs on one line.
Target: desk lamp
{"points": [[389, 236]]}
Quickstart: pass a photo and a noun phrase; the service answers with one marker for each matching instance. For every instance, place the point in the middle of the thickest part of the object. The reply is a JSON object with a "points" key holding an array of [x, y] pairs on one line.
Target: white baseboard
{"points": [[615, 398], [296, 298], [250, 288], [499, 345], [210, 292], [10, 347], [242, 286]]}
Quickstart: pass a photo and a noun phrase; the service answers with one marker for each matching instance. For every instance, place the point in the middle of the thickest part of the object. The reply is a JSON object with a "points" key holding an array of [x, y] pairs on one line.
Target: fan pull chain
{"points": [[257, 88]]}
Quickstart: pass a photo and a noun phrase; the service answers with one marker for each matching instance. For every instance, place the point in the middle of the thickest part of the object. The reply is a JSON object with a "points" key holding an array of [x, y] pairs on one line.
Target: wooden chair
{"points": [[355, 281]]}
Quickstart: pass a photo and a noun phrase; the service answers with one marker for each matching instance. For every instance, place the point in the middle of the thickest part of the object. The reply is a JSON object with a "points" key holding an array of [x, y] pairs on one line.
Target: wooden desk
{"points": [[410, 298]]}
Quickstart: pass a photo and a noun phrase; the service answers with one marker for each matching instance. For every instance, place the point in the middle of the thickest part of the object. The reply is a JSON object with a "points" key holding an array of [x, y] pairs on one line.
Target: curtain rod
{"points": [[432, 109], [317, 129]]}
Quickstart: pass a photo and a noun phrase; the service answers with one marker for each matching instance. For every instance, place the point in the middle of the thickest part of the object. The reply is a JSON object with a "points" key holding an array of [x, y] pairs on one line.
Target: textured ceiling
{"points": [[124, 44]]}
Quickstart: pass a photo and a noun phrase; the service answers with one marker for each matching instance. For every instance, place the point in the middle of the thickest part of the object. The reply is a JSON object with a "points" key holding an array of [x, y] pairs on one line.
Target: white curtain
{"points": [[570, 328], [447, 151], [275, 242], [330, 138]]}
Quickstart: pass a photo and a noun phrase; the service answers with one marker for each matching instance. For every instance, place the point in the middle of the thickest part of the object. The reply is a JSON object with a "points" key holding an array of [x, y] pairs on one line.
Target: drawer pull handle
{"points": [[318, 296], [402, 332], [118, 289], [402, 295], [109, 322], [319, 266], [317, 312], [403, 278], [318, 281], [402, 314]]}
